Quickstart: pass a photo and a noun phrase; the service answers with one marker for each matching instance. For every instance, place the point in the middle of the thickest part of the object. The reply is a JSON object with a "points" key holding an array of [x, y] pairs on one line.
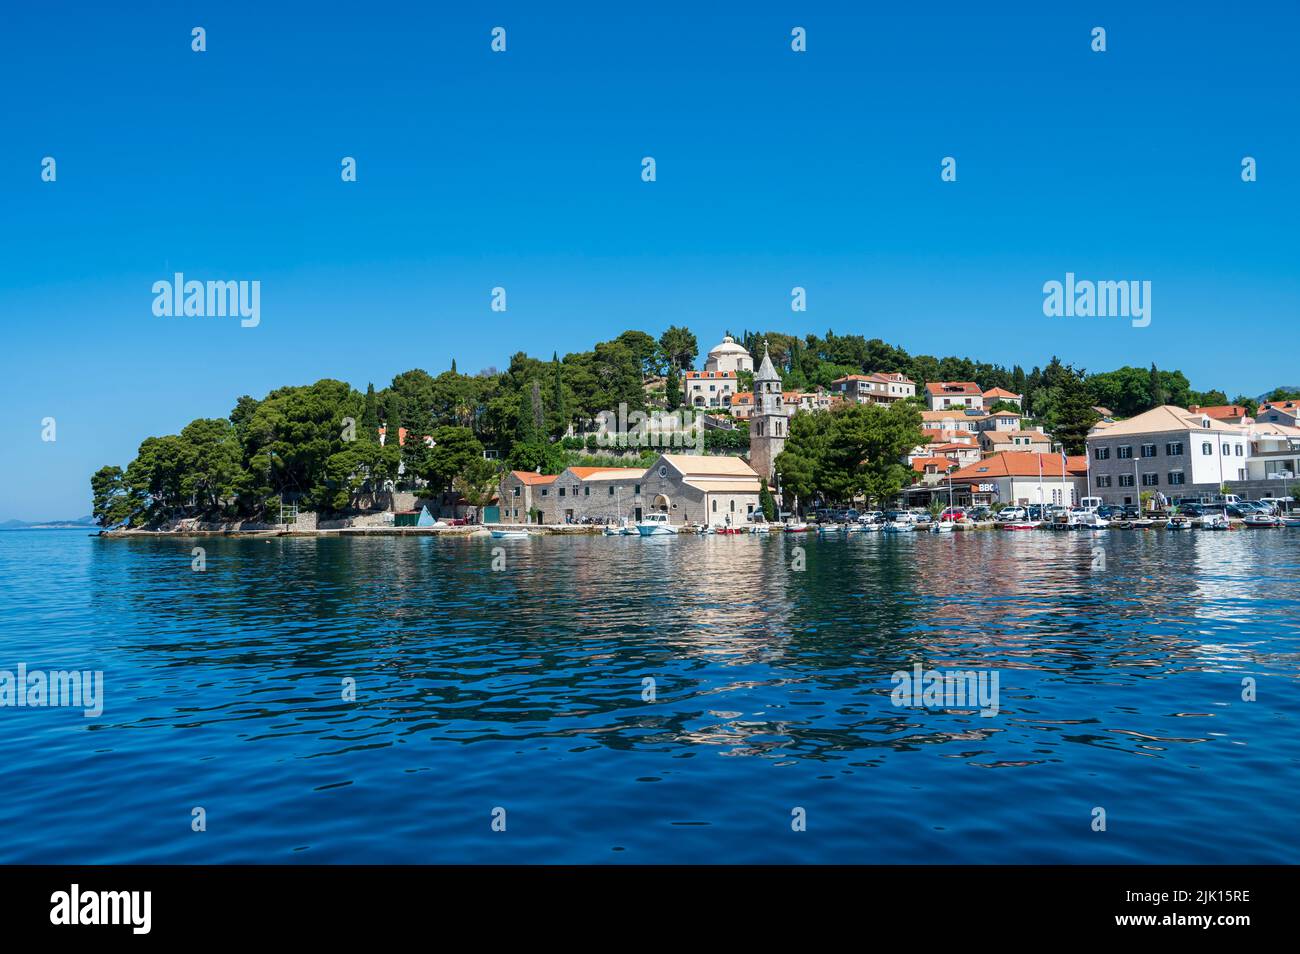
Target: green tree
{"points": [[673, 392], [370, 417], [455, 451], [766, 502], [679, 346]]}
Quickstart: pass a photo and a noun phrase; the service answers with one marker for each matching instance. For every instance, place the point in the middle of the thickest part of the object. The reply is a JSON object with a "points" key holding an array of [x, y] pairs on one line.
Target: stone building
{"points": [[601, 494], [700, 489]]}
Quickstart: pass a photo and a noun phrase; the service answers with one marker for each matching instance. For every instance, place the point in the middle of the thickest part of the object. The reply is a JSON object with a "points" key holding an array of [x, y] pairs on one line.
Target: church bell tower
{"points": [[768, 425]]}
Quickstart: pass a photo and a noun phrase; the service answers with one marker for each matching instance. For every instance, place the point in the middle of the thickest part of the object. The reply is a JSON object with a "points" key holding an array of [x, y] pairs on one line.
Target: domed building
{"points": [[729, 357]]}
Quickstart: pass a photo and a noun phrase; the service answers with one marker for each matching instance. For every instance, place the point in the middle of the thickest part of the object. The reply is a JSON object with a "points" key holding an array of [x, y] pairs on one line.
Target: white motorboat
{"points": [[942, 526], [796, 526], [656, 524], [763, 527], [1262, 520], [510, 534], [897, 526]]}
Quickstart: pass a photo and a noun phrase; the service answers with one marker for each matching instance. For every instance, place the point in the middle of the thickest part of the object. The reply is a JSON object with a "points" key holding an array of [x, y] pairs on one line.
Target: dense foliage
{"points": [[319, 444]]}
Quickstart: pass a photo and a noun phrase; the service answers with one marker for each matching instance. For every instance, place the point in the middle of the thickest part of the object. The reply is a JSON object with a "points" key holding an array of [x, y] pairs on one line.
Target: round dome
{"points": [[729, 346]]}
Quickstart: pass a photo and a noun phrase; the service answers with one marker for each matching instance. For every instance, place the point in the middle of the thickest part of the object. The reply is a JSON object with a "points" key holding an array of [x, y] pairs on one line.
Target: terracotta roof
{"points": [[707, 375], [1219, 411], [1158, 420], [706, 465], [1000, 437], [1012, 464], [1077, 464], [743, 397], [606, 473], [1001, 393], [954, 387], [952, 414], [1291, 407], [952, 447], [921, 463], [528, 477]]}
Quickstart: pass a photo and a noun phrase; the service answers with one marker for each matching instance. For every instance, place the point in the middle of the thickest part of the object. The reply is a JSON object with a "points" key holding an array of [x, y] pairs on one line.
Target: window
{"points": [[1226, 451], [545, 491], [586, 491], [1150, 480], [1100, 453], [611, 490], [1124, 453], [1103, 481], [1176, 477], [517, 489], [1238, 449], [1207, 448], [663, 471], [637, 490], [1126, 480], [1174, 449], [715, 506], [561, 491], [1148, 450]]}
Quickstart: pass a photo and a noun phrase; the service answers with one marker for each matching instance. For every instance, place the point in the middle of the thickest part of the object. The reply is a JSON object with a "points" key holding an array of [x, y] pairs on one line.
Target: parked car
{"points": [[1012, 515], [980, 513], [953, 513]]}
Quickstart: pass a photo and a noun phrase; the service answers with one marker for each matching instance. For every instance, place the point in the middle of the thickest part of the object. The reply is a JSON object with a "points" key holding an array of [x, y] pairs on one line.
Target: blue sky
{"points": [[522, 169]]}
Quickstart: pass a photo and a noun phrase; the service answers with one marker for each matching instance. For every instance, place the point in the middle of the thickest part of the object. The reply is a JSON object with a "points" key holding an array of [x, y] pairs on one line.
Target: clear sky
{"points": [[522, 169]]}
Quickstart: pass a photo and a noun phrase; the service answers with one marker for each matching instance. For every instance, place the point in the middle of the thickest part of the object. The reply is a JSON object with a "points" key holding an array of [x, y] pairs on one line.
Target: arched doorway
{"points": [[661, 503]]}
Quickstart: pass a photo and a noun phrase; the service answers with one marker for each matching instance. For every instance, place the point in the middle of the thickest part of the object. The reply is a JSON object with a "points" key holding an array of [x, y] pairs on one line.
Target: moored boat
{"points": [[656, 524], [510, 534]]}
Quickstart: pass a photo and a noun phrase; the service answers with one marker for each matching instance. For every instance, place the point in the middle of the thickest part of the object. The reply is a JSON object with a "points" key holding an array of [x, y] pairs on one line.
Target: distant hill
{"points": [[79, 523], [1288, 388]]}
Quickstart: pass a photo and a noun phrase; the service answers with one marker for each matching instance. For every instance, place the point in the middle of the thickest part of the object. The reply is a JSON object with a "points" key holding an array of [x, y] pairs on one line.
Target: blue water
{"points": [[521, 689]]}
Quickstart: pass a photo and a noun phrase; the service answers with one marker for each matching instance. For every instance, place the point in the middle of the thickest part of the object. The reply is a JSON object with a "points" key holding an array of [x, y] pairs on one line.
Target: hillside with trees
{"points": [[538, 414]]}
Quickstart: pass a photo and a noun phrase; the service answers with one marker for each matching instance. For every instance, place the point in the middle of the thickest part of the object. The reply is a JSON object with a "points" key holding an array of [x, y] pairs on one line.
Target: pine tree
{"points": [[673, 389], [560, 408], [392, 420], [370, 417]]}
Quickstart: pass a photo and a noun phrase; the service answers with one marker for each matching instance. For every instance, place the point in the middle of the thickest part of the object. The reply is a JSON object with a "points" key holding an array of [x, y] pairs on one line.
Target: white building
{"points": [[729, 356], [1167, 449], [709, 388], [943, 395]]}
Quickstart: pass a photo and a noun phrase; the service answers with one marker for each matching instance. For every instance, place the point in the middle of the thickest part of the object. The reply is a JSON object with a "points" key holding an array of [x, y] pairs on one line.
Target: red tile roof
{"points": [[1001, 393], [533, 480], [1013, 464], [954, 387]]}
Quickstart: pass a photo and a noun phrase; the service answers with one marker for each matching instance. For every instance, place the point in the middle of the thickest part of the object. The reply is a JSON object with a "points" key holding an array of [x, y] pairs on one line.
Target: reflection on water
{"points": [[1120, 687]]}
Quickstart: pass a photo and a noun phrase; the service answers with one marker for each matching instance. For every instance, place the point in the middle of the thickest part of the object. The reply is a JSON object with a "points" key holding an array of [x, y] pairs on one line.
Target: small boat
{"points": [[760, 528], [1215, 521], [656, 524], [1262, 520], [1141, 523], [942, 526], [855, 528], [1291, 521], [510, 534], [1179, 522], [869, 527], [797, 526], [897, 526], [828, 528], [729, 531]]}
